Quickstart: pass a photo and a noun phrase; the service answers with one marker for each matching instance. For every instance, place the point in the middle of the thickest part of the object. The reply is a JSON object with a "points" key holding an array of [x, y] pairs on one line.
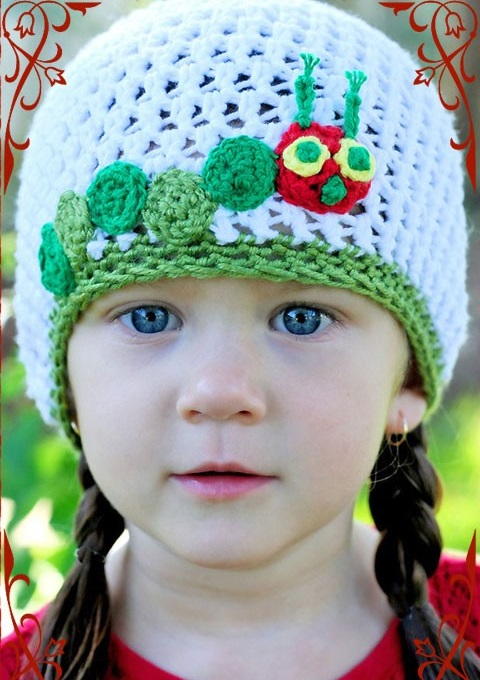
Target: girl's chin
{"points": [[231, 553]]}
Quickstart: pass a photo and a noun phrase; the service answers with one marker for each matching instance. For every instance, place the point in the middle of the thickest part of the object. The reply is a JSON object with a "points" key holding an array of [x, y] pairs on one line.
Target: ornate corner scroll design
{"points": [[31, 658], [457, 20], [33, 21], [445, 658]]}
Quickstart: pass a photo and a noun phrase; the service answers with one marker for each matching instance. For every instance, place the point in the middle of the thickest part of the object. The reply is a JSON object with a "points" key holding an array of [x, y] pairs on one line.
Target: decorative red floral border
{"points": [[34, 21], [459, 20], [33, 659], [425, 648]]}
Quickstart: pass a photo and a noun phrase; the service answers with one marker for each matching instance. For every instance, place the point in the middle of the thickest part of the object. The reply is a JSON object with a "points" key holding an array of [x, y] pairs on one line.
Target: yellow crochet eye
{"points": [[355, 160], [305, 156]]}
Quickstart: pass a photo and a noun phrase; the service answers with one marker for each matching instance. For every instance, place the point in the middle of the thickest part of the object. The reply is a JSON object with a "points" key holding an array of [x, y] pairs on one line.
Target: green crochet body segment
{"points": [[56, 273], [73, 225], [116, 197], [275, 260], [178, 209], [240, 173]]}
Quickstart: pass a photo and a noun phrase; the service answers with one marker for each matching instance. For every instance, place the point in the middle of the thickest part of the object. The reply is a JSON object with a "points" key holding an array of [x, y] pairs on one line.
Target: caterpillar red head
{"points": [[323, 167]]}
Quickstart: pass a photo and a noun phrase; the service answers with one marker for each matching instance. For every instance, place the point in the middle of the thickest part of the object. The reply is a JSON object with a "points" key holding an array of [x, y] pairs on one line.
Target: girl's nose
{"points": [[222, 393]]}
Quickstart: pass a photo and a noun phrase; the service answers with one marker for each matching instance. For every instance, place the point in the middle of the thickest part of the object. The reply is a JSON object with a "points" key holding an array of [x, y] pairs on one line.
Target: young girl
{"points": [[241, 291]]}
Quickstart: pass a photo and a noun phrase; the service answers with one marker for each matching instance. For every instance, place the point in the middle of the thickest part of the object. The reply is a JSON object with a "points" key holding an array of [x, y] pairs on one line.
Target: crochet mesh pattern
{"points": [[167, 84]]}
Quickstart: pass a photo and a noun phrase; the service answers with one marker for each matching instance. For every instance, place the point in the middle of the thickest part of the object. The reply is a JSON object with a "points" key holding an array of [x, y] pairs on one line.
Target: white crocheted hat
{"points": [[225, 138]]}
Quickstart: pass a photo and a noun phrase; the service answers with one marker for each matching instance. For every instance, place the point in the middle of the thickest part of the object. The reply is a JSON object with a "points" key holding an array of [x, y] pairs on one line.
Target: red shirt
{"points": [[383, 662]]}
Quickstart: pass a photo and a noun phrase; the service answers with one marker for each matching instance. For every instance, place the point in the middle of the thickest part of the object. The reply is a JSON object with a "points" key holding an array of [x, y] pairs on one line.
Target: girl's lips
{"points": [[221, 486]]}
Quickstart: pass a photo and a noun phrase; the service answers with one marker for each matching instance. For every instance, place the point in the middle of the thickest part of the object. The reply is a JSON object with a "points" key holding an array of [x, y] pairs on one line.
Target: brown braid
{"points": [[80, 613], [405, 492]]}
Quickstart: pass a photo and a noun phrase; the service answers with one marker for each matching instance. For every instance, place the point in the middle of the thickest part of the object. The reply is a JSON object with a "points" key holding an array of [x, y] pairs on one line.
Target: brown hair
{"points": [[405, 492], [404, 495], [80, 613]]}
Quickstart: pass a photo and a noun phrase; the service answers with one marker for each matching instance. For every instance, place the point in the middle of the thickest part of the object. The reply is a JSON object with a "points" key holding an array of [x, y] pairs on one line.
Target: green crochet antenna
{"points": [[353, 101], [304, 90]]}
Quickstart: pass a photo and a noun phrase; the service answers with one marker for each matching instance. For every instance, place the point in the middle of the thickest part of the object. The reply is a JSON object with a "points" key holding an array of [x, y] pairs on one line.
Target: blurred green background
{"points": [[40, 489]]}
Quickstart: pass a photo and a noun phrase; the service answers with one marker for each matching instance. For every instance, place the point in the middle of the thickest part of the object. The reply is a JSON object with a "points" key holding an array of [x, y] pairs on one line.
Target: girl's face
{"points": [[298, 383]]}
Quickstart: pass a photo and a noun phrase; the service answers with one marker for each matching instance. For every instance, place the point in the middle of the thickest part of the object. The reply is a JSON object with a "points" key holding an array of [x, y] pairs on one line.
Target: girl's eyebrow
{"points": [[159, 287], [163, 286], [286, 286], [295, 285], [335, 296]]}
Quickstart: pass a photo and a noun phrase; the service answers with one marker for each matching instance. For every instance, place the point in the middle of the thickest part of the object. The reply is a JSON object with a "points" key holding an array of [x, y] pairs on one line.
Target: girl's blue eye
{"points": [[301, 319], [147, 319]]}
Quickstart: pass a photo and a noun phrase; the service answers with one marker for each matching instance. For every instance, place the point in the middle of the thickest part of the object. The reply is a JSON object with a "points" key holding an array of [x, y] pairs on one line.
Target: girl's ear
{"points": [[409, 403]]}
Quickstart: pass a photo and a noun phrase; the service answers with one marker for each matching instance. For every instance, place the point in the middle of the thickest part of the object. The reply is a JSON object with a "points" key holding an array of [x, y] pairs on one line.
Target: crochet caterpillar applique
{"points": [[318, 167], [322, 168]]}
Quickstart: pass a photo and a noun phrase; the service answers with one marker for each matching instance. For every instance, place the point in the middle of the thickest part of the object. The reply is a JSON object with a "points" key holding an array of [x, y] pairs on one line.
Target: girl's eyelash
{"points": [[310, 305], [287, 305], [142, 305], [117, 317]]}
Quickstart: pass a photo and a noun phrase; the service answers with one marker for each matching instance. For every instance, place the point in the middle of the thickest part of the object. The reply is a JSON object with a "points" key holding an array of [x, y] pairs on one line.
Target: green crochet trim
{"points": [[333, 190], [240, 173], [276, 260], [56, 272], [308, 152], [352, 103], [116, 197], [304, 90], [358, 158], [177, 209]]}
